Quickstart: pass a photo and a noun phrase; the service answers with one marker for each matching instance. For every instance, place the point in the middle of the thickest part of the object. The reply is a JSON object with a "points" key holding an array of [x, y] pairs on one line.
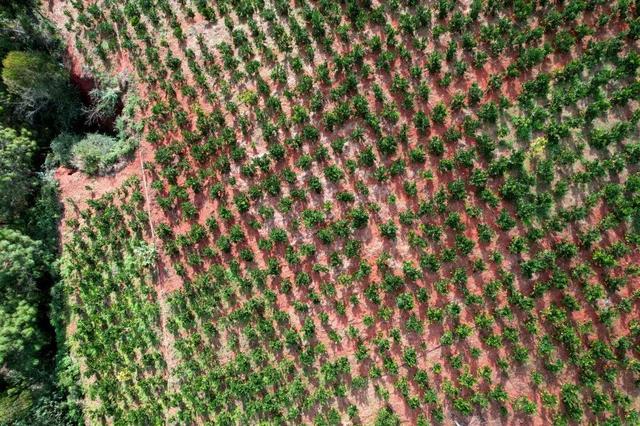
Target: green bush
{"points": [[386, 417], [93, 154], [61, 150], [104, 101], [97, 153], [90, 153]]}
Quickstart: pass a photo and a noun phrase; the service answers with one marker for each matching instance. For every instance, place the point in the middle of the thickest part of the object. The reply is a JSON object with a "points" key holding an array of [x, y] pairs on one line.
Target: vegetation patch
{"points": [[348, 213]]}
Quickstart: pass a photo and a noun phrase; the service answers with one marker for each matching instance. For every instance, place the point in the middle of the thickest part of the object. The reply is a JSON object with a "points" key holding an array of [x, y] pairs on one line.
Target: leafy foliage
{"points": [[17, 180], [40, 86]]}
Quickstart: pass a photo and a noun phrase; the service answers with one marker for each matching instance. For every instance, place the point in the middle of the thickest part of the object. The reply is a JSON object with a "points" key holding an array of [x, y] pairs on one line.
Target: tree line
{"points": [[44, 122]]}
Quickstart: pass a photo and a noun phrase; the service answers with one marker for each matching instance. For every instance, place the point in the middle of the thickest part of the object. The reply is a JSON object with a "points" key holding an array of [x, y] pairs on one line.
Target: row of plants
{"points": [[108, 270], [360, 203]]}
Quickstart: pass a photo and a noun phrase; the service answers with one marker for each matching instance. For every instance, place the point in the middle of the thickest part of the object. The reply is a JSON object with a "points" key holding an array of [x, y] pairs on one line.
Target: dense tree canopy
{"points": [[17, 179], [39, 85], [21, 264], [35, 94]]}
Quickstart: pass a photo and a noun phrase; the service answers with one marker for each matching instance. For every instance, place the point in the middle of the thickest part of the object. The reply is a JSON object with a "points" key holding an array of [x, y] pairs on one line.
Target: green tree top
{"points": [[39, 84], [21, 264], [17, 179]]}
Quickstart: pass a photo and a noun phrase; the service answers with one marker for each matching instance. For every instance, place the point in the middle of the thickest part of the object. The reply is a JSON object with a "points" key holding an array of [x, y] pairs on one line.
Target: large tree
{"points": [[21, 264], [40, 87], [17, 179]]}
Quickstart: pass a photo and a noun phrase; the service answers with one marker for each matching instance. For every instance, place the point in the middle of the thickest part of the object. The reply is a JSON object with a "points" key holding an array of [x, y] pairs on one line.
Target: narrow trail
{"points": [[147, 198]]}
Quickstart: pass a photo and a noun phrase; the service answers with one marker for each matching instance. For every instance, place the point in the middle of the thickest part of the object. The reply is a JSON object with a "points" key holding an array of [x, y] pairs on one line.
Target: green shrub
{"points": [[15, 407], [104, 101], [386, 417], [96, 153], [89, 153], [61, 150]]}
